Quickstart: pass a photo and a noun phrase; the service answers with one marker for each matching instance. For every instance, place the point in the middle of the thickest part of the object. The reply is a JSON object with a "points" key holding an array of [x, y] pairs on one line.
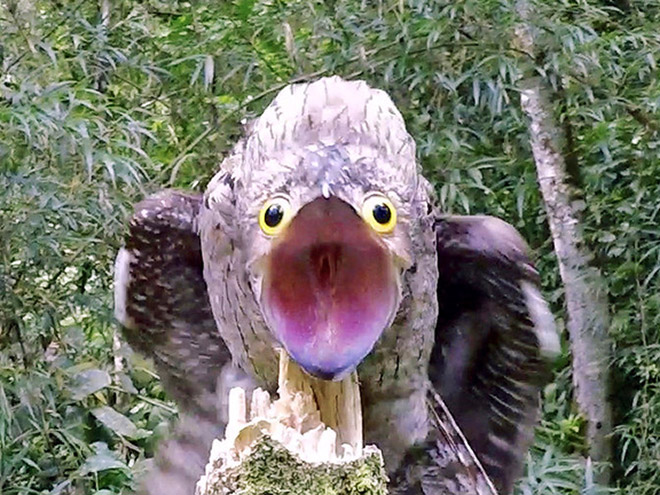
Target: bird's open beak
{"points": [[330, 288]]}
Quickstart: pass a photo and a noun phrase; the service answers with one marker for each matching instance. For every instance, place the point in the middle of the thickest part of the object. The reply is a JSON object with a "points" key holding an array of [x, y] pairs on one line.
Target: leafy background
{"points": [[103, 103]]}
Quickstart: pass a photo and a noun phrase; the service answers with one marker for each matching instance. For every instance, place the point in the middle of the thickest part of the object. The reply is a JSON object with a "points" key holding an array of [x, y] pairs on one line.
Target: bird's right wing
{"points": [[495, 340]]}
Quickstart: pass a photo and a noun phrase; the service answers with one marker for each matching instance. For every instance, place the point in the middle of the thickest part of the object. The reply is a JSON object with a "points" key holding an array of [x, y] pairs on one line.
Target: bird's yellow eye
{"points": [[379, 213], [275, 214]]}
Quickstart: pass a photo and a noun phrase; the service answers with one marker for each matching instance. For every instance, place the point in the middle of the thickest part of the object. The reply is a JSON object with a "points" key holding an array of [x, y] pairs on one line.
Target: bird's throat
{"points": [[330, 289]]}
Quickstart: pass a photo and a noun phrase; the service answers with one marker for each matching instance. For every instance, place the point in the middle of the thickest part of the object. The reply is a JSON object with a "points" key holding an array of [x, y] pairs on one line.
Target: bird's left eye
{"points": [[274, 215], [379, 212]]}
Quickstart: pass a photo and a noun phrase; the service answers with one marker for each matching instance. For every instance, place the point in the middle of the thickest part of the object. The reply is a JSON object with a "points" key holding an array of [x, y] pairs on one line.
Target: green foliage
{"points": [[95, 115]]}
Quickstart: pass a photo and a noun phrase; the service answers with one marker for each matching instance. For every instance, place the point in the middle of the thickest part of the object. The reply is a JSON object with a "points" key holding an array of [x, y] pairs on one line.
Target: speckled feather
{"points": [[162, 303], [485, 352], [166, 311]]}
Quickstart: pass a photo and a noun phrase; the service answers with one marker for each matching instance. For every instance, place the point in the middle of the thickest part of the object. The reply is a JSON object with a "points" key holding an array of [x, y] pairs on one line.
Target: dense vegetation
{"points": [[102, 103]]}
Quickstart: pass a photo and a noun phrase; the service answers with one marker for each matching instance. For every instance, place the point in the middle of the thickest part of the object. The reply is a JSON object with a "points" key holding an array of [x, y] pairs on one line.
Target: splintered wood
{"points": [[317, 421]]}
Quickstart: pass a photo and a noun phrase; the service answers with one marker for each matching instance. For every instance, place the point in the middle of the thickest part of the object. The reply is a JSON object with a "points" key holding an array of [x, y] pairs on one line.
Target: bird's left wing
{"points": [[162, 303], [161, 297]]}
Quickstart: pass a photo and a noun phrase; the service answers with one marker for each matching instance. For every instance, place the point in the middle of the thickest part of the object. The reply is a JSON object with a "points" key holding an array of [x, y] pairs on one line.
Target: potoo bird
{"points": [[319, 235]]}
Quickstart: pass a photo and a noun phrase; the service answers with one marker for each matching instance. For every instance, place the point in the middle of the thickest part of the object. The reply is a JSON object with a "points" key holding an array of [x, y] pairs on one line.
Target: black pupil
{"points": [[382, 213], [273, 215]]}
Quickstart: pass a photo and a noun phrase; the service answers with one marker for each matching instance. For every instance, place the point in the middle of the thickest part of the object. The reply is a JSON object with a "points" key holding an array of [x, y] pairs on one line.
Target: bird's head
{"points": [[326, 197]]}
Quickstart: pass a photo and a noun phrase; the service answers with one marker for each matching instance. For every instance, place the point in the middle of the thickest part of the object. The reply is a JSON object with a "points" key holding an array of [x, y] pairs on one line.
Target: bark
{"points": [[584, 286]]}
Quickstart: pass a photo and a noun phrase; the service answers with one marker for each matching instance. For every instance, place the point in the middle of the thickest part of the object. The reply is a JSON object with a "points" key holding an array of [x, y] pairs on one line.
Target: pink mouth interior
{"points": [[330, 288]]}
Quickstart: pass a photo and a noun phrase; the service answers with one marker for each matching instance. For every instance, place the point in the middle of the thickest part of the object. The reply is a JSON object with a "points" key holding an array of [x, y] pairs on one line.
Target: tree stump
{"points": [[309, 440]]}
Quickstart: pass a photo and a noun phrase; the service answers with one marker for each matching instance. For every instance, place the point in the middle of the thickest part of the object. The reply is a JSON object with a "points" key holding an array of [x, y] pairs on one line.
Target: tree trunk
{"points": [[584, 286]]}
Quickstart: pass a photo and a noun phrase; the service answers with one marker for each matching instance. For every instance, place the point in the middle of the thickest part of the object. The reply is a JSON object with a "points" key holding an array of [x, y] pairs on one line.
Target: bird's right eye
{"points": [[275, 214]]}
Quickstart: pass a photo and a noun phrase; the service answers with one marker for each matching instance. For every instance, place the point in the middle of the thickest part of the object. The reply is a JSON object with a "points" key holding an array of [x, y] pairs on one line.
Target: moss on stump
{"points": [[270, 469]]}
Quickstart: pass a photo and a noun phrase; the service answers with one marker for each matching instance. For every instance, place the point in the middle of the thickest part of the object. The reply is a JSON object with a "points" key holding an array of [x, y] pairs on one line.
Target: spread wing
{"points": [[494, 338], [161, 298]]}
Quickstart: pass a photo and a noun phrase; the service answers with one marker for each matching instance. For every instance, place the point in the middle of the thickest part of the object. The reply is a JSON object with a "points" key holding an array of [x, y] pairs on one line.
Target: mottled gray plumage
{"points": [[469, 322]]}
